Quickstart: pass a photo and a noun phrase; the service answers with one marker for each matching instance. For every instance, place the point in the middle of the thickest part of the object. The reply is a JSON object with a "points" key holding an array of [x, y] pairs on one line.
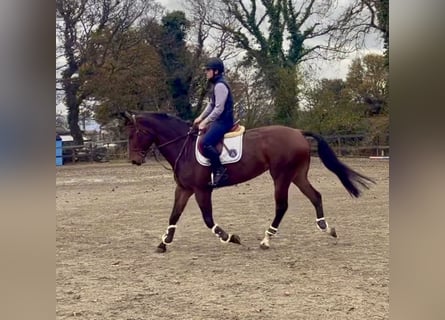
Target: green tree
{"points": [[383, 22], [356, 105], [77, 22], [330, 111], [367, 82], [177, 62], [128, 76]]}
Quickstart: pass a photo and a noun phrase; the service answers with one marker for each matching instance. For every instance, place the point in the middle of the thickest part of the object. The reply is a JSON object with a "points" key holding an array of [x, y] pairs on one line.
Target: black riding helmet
{"points": [[215, 64]]}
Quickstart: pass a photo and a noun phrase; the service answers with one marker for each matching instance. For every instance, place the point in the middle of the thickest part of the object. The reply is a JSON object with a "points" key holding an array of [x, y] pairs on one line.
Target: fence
{"points": [[96, 151], [343, 145], [357, 145]]}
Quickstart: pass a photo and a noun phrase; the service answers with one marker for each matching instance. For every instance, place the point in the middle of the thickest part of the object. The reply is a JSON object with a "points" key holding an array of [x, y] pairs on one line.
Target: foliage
{"points": [[383, 18], [120, 57], [357, 105], [279, 35], [330, 110], [176, 61], [367, 82], [77, 22], [124, 73]]}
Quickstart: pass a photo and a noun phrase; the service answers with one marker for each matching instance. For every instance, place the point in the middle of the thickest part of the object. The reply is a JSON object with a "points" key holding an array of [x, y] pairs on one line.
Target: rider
{"points": [[217, 117]]}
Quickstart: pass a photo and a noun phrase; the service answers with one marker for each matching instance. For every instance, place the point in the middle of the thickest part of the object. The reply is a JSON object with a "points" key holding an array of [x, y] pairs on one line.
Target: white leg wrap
{"points": [[164, 236], [221, 239], [327, 226], [274, 231], [270, 232], [228, 239]]}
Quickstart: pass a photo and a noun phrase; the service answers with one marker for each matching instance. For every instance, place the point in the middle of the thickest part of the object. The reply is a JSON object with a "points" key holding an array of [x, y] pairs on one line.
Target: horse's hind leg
{"points": [[314, 196], [181, 198], [281, 204]]}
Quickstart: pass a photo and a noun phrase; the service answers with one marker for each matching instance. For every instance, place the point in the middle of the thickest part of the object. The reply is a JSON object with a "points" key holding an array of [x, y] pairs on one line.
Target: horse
{"points": [[285, 152]]}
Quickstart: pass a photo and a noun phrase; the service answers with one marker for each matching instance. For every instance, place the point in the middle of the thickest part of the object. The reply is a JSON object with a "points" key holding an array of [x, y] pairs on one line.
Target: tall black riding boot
{"points": [[219, 171]]}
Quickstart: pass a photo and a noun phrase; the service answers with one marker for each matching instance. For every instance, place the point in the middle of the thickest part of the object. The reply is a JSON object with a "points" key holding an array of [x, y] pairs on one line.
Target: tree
{"points": [[253, 105], [176, 61], [375, 17], [367, 81], [357, 105], [330, 110], [77, 21], [205, 41], [279, 35], [129, 76]]}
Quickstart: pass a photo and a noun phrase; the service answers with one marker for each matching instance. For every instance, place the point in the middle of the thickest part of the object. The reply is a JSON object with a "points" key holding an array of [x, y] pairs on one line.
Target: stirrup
{"points": [[222, 178]]}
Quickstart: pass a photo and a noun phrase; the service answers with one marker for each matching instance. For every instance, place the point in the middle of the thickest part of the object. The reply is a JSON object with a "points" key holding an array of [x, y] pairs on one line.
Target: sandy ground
{"points": [[110, 218]]}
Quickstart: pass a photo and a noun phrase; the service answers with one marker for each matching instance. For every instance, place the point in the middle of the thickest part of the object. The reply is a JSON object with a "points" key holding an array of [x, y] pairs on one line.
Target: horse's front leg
{"points": [[204, 200], [181, 198]]}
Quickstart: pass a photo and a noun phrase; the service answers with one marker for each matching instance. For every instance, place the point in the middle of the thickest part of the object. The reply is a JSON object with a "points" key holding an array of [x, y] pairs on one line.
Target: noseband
{"points": [[141, 152]]}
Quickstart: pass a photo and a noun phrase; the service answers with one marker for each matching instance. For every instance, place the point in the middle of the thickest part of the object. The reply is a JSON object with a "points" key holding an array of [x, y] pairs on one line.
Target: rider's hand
{"points": [[202, 125], [197, 121]]}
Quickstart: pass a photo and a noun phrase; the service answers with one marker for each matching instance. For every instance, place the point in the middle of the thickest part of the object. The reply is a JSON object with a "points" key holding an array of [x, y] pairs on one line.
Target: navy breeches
{"points": [[214, 134]]}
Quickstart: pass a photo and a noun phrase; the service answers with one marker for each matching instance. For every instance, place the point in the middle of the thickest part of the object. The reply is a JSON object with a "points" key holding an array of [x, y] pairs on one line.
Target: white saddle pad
{"points": [[230, 154]]}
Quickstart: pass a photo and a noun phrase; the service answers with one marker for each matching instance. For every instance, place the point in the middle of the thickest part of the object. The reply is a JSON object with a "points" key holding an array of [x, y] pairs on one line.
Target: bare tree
{"points": [[278, 35], [206, 41], [374, 16], [253, 103]]}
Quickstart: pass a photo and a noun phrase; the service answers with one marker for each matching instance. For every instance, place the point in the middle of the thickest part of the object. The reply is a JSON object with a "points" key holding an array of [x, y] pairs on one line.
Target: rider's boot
{"points": [[220, 175]]}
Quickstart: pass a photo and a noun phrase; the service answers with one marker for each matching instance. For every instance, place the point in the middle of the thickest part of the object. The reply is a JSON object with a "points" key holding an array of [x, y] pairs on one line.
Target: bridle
{"points": [[186, 136]]}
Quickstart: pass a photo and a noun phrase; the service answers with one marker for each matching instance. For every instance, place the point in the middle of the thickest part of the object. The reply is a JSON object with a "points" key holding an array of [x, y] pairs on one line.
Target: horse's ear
{"points": [[127, 116]]}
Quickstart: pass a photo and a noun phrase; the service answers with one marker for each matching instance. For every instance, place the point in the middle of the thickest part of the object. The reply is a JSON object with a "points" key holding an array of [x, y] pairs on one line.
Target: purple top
{"points": [[221, 93]]}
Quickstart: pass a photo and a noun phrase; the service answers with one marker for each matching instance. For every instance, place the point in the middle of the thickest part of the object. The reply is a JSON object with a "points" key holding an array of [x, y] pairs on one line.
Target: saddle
{"points": [[229, 149], [236, 130]]}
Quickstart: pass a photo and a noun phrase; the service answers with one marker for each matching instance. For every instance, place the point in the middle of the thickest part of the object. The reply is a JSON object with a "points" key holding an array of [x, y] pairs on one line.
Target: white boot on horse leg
{"points": [[265, 243], [323, 226]]}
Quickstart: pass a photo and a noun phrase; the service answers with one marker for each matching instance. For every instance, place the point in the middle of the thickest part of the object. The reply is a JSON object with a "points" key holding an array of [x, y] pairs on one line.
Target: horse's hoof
{"points": [[264, 246], [333, 233], [161, 248], [234, 238]]}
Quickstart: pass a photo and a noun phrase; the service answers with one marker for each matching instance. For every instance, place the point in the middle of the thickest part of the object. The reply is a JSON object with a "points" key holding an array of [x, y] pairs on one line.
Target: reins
{"points": [[187, 136], [174, 140]]}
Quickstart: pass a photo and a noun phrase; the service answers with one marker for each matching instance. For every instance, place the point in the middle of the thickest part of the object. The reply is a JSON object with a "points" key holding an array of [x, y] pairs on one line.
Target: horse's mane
{"points": [[172, 121]]}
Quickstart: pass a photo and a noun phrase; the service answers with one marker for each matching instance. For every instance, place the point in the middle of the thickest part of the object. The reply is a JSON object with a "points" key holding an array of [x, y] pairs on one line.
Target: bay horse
{"points": [[284, 151]]}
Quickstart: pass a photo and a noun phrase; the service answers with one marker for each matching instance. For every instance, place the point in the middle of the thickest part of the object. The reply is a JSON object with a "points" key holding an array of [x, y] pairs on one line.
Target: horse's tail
{"points": [[350, 179]]}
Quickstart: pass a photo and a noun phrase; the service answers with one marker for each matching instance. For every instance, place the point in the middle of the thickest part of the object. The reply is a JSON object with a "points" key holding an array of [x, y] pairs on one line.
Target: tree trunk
{"points": [[72, 104], [73, 122]]}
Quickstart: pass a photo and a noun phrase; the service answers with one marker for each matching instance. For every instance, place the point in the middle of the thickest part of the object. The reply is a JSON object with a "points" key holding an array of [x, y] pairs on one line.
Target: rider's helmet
{"points": [[215, 64]]}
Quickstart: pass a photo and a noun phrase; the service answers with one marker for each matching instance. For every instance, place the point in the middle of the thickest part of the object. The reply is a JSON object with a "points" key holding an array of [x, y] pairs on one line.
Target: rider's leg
{"points": [[214, 135]]}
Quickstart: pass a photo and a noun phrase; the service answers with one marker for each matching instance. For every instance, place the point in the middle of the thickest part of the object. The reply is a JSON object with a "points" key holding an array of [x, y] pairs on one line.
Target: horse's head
{"points": [[139, 138]]}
